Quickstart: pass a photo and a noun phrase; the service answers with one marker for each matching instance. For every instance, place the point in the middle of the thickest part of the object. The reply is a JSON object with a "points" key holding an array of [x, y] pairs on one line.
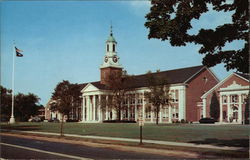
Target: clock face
{"points": [[115, 59], [106, 59]]}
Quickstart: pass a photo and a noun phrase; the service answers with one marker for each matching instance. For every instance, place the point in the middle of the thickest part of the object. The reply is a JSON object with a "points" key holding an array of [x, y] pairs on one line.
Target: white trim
{"points": [[221, 82], [213, 74], [216, 86], [89, 84], [241, 77]]}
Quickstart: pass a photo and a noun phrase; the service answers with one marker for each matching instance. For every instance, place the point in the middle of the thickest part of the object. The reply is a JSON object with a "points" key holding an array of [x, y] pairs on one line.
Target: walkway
{"points": [[180, 144]]}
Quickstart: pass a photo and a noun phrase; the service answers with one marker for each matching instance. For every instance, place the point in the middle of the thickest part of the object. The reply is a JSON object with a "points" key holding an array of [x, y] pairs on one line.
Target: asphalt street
{"points": [[21, 148]]}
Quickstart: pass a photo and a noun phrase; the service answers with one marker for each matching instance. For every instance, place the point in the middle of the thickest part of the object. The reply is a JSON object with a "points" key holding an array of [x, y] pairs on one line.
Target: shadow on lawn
{"points": [[22, 127], [220, 142]]}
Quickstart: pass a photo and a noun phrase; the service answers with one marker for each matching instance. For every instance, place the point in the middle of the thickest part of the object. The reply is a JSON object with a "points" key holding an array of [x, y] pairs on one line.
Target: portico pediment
{"points": [[89, 88], [234, 86]]}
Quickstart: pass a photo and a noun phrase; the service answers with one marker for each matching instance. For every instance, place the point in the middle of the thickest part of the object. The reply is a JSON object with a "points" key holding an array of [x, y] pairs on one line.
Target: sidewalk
{"points": [[180, 144]]}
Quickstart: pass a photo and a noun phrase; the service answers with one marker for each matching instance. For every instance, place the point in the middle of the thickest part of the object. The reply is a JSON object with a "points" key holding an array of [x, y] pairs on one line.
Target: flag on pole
{"points": [[18, 52]]}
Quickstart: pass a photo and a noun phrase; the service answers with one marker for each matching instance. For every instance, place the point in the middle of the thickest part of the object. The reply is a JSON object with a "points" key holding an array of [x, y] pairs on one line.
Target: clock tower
{"points": [[110, 65]]}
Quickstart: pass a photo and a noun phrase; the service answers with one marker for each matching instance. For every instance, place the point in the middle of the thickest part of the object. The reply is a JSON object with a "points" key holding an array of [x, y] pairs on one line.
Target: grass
{"points": [[221, 135]]}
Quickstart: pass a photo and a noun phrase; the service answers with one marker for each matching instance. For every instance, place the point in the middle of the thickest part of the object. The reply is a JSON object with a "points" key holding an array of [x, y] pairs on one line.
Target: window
{"points": [[234, 98], [113, 47], [224, 99], [205, 79], [165, 113], [107, 47]]}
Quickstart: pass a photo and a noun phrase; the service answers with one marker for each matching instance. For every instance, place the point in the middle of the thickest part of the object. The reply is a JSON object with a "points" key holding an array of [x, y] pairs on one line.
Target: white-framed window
{"points": [[165, 112], [234, 98], [107, 47], [125, 101], [174, 96], [224, 99], [148, 111], [244, 98]]}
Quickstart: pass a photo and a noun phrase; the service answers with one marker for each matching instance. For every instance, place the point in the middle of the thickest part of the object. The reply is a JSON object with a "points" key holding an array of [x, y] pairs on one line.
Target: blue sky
{"points": [[65, 40]]}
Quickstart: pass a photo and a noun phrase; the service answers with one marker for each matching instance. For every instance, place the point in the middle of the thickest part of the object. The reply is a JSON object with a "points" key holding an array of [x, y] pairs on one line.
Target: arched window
{"points": [[107, 48], [113, 47]]}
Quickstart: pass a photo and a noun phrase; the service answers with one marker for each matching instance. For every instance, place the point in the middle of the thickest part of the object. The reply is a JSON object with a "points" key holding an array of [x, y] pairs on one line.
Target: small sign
{"points": [[141, 122]]}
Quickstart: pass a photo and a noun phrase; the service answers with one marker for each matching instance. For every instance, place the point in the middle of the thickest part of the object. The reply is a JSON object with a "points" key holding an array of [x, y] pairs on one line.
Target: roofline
{"points": [[213, 74], [166, 70], [241, 77], [194, 74], [217, 85], [89, 85]]}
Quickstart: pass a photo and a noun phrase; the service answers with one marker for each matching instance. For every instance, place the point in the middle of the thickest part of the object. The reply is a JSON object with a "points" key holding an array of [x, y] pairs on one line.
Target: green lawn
{"points": [[231, 135]]}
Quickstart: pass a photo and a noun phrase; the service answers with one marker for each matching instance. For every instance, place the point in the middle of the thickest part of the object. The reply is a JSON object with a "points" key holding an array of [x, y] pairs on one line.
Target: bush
{"points": [[207, 120], [72, 120], [117, 121], [183, 121]]}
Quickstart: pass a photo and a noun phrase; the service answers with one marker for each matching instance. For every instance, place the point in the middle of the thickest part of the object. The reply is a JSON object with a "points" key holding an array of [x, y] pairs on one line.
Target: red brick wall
{"points": [[106, 72], [195, 89], [225, 84]]}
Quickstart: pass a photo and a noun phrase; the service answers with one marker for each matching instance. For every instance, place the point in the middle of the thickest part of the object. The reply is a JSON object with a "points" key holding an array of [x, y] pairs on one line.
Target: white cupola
{"points": [[111, 59]]}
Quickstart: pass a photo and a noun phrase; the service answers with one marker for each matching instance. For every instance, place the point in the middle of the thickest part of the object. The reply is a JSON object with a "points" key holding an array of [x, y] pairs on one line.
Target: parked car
{"points": [[54, 120], [35, 119], [207, 120]]}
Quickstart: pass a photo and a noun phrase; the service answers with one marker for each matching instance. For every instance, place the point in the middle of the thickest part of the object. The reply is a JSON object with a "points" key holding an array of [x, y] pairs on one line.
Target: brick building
{"points": [[190, 88], [232, 94], [187, 85]]}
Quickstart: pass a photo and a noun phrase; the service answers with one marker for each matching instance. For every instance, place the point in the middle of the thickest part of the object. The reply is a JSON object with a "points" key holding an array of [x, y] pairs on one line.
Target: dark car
{"points": [[207, 120]]}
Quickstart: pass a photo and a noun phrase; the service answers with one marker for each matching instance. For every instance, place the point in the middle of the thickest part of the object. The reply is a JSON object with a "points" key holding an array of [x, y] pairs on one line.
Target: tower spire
{"points": [[111, 28]]}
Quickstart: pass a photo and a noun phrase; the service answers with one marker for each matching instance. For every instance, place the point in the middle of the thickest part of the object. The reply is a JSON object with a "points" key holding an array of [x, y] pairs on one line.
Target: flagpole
{"points": [[12, 118]]}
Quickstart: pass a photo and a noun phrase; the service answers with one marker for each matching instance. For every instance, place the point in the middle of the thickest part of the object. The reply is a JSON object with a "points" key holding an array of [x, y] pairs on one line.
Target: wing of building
{"points": [[232, 94]]}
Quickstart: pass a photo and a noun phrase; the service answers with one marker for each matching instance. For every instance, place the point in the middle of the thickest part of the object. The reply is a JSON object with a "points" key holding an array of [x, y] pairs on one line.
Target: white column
{"points": [[143, 107], [228, 108], [204, 107], [182, 103], [87, 108], [136, 114], [90, 108], [83, 108], [114, 114], [94, 107], [169, 114], [240, 109], [122, 110], [221, 118], [152, 114], [128, 108], [107, 113], [99, 108], [160, 116]]}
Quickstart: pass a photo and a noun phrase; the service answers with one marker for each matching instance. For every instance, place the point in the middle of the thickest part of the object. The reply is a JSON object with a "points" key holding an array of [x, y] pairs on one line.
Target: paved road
{"points": [[21, 148]]}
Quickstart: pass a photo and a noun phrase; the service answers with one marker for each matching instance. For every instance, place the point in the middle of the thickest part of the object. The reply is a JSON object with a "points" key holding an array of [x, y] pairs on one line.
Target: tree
{"points": [[65, 97], [158, 94], [118, 85], [26, 106], [171, 20], [215, 107], [5, 103]]}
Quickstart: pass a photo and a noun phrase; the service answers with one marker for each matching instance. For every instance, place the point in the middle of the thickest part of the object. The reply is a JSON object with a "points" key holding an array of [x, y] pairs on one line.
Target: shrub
{"points": [[183, 121], [117, 121]]}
